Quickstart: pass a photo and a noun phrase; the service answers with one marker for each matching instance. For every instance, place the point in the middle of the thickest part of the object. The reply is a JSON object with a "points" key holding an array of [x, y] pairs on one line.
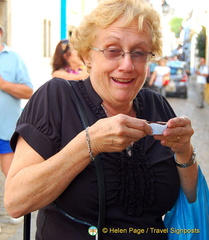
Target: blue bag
{"points": [[190, 221]]}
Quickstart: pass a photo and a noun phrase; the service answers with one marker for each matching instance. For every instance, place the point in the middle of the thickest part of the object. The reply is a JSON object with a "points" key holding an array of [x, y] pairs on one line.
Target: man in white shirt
{"points": [[202, 73]]}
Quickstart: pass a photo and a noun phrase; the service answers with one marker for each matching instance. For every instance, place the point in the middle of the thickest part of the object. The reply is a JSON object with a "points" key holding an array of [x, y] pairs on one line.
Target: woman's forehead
{"points": [[117, 32]]}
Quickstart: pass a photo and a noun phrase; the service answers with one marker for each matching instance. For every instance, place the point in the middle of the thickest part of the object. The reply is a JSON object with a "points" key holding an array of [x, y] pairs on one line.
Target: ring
{"points": [[178, 138]]}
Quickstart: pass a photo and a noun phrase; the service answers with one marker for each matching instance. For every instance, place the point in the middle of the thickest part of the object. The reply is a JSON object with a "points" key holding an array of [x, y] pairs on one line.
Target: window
{"points": [[47, 38]]}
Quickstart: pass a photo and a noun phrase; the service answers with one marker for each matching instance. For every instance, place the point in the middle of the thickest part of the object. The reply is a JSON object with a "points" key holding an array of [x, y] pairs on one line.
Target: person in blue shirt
{"points": [[15, 84]]}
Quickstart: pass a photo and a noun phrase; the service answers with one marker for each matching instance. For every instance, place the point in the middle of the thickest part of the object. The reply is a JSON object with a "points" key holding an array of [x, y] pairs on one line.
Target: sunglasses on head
{"points": [[64, 44]]}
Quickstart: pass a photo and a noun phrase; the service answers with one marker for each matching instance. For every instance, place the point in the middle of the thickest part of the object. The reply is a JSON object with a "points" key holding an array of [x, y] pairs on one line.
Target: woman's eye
{"points": [[139, 54]]}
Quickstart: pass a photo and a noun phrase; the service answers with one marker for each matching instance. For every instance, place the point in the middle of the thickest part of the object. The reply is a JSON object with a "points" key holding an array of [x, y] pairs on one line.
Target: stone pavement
{"points": [[182, 107], [9, 231], [200, 123], [6, 229]]}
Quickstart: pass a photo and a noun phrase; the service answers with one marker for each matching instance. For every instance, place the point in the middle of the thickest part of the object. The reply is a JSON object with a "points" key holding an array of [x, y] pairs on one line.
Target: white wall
{"points": [[27, 32], [27, 18], [77, 9]]}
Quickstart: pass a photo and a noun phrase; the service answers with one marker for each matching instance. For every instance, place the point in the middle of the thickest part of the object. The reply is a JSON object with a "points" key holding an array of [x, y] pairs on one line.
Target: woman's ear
{"points": [[87, 60], [65, 56], [87, 63]]}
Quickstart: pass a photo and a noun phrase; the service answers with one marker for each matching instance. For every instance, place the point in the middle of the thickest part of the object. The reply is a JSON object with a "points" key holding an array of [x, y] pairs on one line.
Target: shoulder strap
{"points": [[26, 226], [97, 162], [79, 106]]}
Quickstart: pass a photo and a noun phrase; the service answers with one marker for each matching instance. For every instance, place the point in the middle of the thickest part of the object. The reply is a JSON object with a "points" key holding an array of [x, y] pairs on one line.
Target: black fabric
{"points": [[97, 163], [139, 189], [207, 79]]}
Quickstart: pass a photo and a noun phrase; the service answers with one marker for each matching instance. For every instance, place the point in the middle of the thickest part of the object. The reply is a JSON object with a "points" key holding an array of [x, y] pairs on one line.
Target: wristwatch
{"points": [[187, 164]]}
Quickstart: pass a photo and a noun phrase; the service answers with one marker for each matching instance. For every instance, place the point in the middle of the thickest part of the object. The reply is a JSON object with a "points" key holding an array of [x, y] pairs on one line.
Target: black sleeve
{"points": [[40, 121]]}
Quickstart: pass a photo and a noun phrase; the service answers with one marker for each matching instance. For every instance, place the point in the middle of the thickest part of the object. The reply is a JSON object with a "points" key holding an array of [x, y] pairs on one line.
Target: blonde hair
{"points": [[107, 12]]}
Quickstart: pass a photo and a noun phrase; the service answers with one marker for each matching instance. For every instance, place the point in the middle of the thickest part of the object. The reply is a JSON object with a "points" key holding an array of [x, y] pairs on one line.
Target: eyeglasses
{"points": [[64, 44], [117, 54]]}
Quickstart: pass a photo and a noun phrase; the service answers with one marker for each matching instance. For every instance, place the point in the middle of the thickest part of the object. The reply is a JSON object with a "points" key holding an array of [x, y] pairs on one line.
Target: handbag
{"points": [[99, 173], [166, 80], [190, 221], [171, 86]]}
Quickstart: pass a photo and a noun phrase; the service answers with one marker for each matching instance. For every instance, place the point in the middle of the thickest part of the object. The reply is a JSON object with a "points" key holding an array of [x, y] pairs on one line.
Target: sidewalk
{"points": [[6, 229]]}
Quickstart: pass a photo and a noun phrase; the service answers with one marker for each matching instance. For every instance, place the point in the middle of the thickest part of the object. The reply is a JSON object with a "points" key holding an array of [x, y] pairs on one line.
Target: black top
{"points": [[140, 188]]}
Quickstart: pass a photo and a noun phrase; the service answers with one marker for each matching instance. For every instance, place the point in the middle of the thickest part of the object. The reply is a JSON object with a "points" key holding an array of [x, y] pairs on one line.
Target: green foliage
{"points": [[176, 25], [201, 42]]}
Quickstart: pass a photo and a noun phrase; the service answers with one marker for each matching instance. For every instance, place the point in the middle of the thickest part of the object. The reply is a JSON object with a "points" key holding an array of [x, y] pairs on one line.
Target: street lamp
{"points": [[165, 7]]}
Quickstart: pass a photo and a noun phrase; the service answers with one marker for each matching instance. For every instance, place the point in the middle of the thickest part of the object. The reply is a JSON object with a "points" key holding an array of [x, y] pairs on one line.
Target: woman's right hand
{"points": [[116, 133]]}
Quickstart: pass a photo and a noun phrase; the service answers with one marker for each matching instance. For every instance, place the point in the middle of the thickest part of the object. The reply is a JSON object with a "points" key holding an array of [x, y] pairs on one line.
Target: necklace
{"points": [[131, 114]]}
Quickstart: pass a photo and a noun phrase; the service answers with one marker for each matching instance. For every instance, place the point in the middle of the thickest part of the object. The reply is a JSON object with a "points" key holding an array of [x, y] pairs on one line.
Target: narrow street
{"points": [[200, 139], [199, 117]]}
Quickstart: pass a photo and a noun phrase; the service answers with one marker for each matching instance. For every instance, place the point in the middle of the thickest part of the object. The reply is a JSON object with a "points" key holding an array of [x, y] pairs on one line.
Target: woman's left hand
{"points": [[178, 135]]}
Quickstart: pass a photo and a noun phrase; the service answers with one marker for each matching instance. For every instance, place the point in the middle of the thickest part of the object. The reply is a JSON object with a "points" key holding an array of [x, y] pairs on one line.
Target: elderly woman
{"points": [[53, 168]]}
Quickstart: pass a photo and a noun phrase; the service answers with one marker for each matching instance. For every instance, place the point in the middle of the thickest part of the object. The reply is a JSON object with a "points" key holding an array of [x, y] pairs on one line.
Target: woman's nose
{"points": [[126, 63]]}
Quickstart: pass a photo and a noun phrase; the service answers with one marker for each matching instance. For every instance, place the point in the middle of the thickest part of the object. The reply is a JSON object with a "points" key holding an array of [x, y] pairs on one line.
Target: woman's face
{"points": [[73, 60], [162, 62], [118, 82]]}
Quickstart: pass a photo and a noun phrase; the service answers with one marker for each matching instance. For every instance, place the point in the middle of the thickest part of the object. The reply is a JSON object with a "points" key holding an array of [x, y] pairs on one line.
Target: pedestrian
{"points": [[160, 76], [201, 73], [150, 70], [152, 66], [55, 158], [66, 64], [15, 85]]}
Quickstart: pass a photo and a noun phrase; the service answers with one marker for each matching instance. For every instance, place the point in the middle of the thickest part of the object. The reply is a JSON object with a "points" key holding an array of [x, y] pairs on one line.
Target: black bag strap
{"points": [[97, 162], [26, 226]]}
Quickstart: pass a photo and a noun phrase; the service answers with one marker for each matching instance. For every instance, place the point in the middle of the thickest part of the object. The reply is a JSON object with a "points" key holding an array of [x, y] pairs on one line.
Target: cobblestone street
{"points": [[182, 107]]}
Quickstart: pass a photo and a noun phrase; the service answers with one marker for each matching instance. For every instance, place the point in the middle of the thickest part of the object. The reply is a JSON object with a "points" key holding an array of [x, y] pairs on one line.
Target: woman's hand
{"points": [[116, 133], [178, 135]]}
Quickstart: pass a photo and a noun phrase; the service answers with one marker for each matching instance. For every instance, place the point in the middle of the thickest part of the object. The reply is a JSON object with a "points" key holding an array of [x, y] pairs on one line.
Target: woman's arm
{"points": [[178, 137], [188, 176], [33, 183], [152, 79]]}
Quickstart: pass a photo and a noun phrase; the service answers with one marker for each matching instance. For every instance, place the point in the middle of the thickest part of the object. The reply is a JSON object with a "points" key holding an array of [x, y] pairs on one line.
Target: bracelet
{"points": [[89, 144], [187, 164]]}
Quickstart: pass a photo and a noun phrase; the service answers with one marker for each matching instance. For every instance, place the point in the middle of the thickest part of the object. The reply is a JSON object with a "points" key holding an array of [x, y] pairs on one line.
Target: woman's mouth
{"points": [[121, 80]]}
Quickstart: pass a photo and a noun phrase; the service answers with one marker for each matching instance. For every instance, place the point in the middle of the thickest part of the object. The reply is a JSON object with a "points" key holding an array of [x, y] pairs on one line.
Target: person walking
{"points": [[15, 85], [160, 76], [201, 73]]}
